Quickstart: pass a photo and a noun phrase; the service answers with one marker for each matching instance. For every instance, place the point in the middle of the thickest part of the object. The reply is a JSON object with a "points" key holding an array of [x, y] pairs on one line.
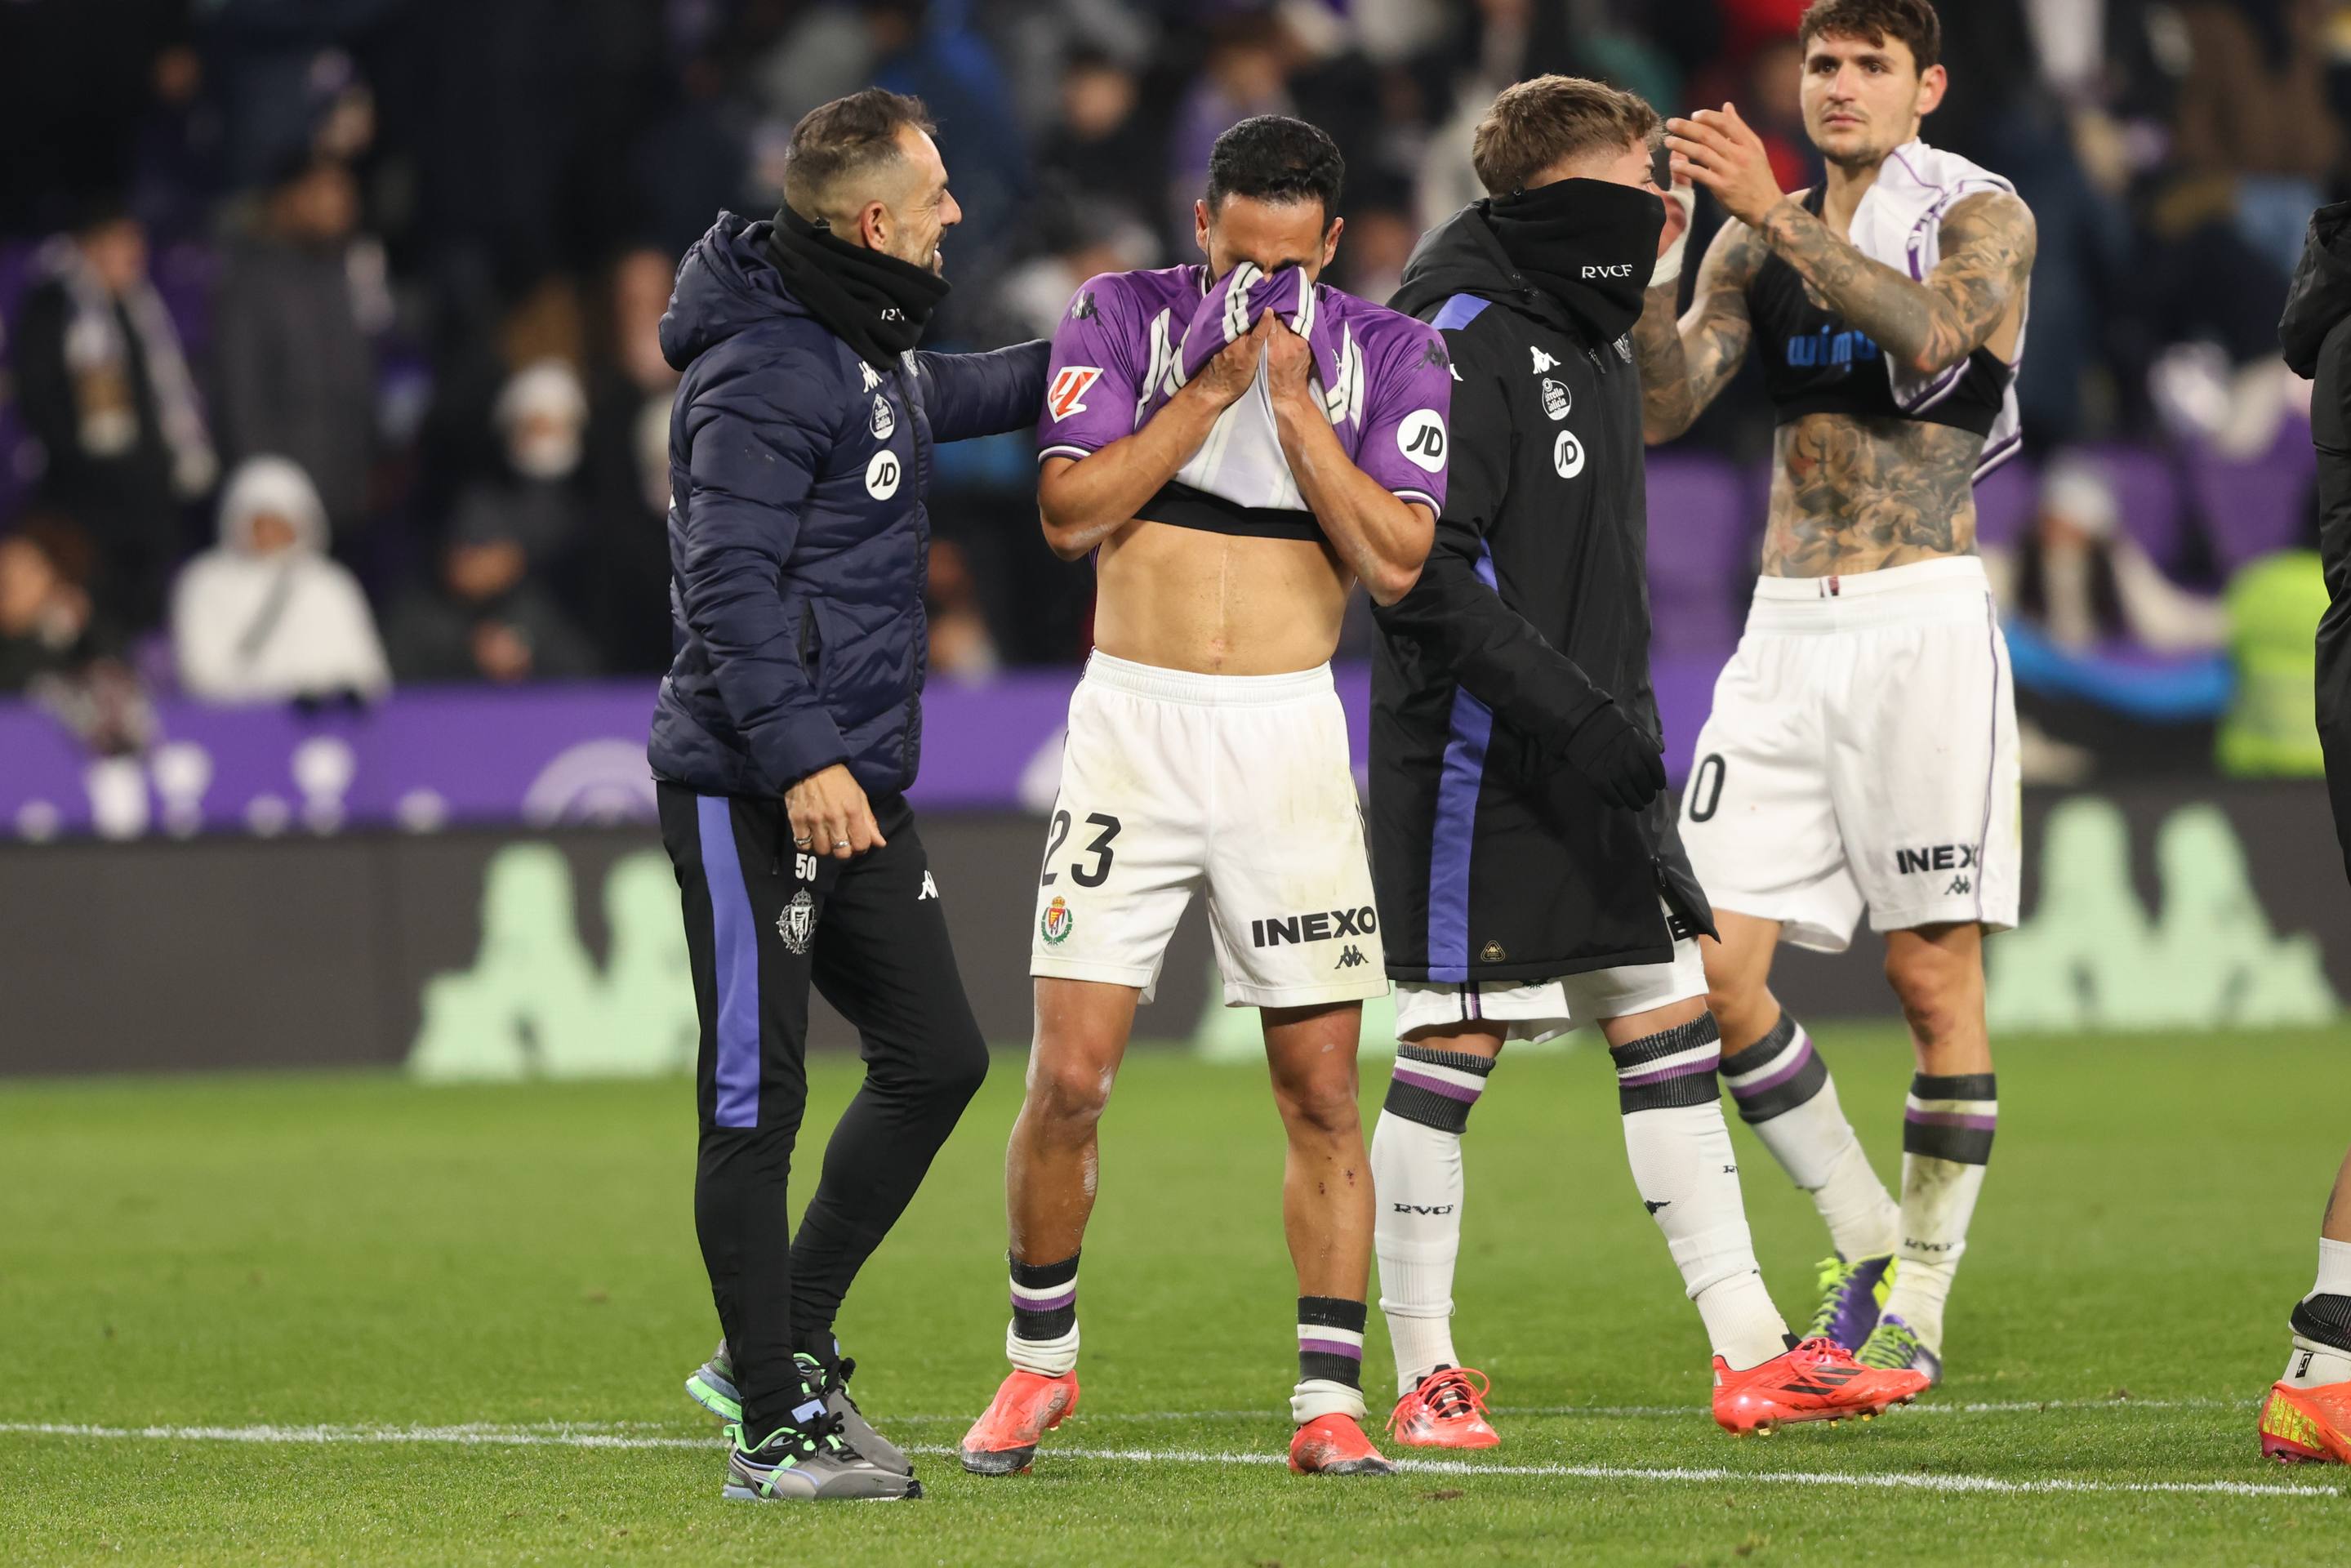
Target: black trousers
{"points": [[764, 922]]}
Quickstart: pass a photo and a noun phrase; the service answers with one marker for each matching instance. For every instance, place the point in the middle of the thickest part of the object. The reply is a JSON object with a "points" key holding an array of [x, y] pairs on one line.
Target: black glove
{"points": [[1624, 762]]}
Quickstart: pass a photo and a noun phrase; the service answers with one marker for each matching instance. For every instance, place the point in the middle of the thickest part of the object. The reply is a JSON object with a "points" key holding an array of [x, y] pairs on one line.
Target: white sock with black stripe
{"points": [[1783, 1090], [1679, 1149], [2322, 1323], [1418, 1178]]}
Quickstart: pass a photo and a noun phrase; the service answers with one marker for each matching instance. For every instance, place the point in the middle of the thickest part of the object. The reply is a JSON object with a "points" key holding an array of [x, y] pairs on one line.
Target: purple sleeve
{"points": [[1407, 433], [1091, 383]]}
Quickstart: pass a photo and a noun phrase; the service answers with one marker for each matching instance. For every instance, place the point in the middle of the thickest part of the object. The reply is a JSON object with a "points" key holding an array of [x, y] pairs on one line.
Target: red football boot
{"points": [[1334, 1445], [1003, 1441], [1817, 1381], [1445, 1410]]}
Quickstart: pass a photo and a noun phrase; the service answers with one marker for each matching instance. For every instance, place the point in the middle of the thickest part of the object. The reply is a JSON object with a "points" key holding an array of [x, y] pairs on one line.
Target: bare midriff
{"points": [[1217, 604]]}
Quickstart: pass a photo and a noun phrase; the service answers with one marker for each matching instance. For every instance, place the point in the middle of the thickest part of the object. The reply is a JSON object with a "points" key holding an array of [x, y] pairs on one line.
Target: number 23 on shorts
{"points": [[1080, 872]]}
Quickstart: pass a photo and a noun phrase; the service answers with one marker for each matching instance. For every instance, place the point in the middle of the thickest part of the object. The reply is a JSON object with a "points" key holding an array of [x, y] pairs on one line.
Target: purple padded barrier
{"points": [[2254, 508], [2004, 503], [1701, 555], [2148, 494]]}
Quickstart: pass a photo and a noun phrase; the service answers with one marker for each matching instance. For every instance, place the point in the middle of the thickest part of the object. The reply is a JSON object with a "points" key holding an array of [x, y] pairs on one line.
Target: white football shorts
{"points": [[1174, 782], [1862, 753], [1544, 1009]]}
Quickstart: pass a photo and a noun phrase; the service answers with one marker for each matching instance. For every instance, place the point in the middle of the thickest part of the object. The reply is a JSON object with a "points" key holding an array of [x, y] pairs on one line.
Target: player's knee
{"points": [[960, 1068], [1070, 1092], [1323, 1102], [1933, 990]]}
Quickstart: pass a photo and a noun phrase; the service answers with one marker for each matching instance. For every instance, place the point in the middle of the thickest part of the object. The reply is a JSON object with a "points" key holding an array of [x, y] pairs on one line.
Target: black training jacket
{"points": [[2316, 335], [1493, 859]]}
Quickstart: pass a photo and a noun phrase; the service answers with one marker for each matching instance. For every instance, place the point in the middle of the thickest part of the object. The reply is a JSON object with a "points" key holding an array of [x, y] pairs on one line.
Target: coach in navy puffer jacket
{"points": [[798, 538]]}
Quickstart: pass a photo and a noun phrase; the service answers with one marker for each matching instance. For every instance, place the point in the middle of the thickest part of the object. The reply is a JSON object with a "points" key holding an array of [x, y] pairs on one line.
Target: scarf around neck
{"points": [[873, 302], [1590, 244]]}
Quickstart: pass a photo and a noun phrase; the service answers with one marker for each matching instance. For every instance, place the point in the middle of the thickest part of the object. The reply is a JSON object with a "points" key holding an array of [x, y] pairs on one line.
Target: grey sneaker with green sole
{"points": [[712, 1387]]}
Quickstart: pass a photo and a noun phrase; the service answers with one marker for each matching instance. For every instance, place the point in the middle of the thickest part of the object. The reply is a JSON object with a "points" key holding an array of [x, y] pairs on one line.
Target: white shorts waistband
{"points": [[1924, 593], [1206, 690]]}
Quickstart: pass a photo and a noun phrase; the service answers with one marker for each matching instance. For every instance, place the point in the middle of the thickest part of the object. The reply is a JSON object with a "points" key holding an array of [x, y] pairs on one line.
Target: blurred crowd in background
{"points": [[329, 324]]}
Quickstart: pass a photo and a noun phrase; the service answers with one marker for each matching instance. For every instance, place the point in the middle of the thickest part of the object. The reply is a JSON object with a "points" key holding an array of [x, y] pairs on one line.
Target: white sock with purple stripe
{"points": [[1679, 1149], [1783, 1091], [1946, 1131], [1417, 1175], [1330, 1359], [1043, 1335]]}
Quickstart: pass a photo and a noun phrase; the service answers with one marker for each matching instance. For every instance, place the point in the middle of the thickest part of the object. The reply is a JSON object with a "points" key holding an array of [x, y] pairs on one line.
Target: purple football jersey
{"points": [[1122, 348]]}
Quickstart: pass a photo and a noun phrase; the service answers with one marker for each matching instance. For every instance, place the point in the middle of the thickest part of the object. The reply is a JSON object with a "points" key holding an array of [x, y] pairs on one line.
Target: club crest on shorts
{"points": [[1058, 922], [797, 923], [1557, 400]]}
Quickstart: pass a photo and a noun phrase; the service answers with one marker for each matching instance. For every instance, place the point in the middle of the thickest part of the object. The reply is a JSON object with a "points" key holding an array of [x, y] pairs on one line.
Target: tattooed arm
{"points": [[1988, 243], [1685, 364]]}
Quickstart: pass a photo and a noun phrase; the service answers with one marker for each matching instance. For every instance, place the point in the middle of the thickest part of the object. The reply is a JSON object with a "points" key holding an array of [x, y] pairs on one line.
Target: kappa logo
{"points": [[1959, 884], [872, 378], [1936, 857], [1067, 395], [1542, 361], [1653, 1205], [881, 475], [797, 923], [1353, 959], [930, 889], [1567, 454], [1624, 347], [1056, 924], [885, 424], [1421, 439], [1319, 927], [1558, 402], [1081, 308], [1435, 355]]}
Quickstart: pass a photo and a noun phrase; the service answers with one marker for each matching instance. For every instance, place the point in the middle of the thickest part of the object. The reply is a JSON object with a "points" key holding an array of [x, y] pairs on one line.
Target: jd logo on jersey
{"points": [[1421, 439], [1317, 927]]}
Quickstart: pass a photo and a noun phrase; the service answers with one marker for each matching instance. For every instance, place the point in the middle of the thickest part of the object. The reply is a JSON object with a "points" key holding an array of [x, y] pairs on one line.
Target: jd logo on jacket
{"points": [[1567, 454], [881, 475]]}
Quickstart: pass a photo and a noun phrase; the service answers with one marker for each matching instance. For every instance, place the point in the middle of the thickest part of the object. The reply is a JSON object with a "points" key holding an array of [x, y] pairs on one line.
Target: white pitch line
{"points": [[1889, 1482], [482, 1435]]}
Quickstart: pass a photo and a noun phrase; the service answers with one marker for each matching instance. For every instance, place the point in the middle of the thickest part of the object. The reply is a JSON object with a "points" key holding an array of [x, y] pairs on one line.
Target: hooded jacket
{"points": [[1494, 858], [798, 538], [2315, 334], [249, 627]]}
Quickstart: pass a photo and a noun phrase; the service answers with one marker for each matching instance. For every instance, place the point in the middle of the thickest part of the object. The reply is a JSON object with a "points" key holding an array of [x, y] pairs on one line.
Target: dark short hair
{"points": [[1534, 125], [1273, 158], [847, 136], [1912, 21]]}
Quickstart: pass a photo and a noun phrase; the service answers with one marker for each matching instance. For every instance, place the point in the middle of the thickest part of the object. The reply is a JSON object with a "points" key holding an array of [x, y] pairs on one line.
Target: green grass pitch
{"points": [[370, 1322]]}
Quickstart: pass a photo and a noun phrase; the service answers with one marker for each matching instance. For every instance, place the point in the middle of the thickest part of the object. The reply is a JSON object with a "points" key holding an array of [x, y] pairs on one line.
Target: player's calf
{"points": [[1416, 1178], [1683, 1166]]}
